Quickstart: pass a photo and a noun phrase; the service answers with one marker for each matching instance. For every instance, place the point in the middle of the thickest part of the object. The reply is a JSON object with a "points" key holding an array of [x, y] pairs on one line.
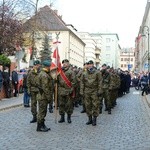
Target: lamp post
{"points": [[148, 47]]}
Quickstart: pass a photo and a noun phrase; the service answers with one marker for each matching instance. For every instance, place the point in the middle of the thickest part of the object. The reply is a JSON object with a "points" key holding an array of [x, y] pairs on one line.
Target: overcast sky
{"points": [[123, 17]]}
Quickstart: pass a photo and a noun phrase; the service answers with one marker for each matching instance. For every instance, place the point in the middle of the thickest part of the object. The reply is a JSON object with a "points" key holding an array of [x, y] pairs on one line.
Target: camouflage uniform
{"points": [[90, 88], [79, 75], [115, 86], [44, 83], [64, 94], [33, 91], [106, 80]]}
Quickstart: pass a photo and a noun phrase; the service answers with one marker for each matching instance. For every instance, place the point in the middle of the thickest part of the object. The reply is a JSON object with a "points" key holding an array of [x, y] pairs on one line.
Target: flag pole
{"points": [[56, 84]]}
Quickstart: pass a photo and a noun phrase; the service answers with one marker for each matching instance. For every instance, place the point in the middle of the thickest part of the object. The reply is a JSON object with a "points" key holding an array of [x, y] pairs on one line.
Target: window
{"points": [[108, 48], [108, 40], [125, 65], [107, 55], [121, 59], [131, 59], [121, 65]]}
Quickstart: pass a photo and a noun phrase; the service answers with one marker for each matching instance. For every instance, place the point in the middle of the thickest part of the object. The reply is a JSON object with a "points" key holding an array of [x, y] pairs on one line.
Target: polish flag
{"points": [[56, 64]]}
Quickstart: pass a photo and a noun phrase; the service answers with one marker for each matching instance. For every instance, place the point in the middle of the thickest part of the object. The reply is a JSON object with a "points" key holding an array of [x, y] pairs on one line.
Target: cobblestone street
{"points": [[128, 128]]}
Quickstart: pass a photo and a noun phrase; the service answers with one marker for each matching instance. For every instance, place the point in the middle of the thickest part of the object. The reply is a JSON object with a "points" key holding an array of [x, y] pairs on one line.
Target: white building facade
{"points": [[110, 49], [92, 48], [142, 43]]}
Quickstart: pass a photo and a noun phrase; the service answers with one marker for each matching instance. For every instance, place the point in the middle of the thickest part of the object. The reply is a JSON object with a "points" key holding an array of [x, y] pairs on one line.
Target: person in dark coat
{"points": [[15, 81], [6, 82], [26, 96], [127, 81], [1, 79], [144, 83]]}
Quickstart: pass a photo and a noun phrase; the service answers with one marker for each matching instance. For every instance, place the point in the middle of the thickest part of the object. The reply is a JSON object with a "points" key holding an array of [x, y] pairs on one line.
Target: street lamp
{"points": [[148, 47]]}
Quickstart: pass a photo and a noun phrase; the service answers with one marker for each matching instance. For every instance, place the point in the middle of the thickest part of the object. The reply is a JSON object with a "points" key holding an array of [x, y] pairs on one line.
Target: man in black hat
{"points": [[32, 88], [106, 80]]}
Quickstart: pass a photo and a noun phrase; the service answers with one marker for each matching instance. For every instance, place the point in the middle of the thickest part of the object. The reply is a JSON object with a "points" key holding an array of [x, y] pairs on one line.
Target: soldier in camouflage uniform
{"points": [[44, 84], [114, 85], [79, 75], [117, 86], [32, 89], [65, 92], [106, 81], [91, 89]]}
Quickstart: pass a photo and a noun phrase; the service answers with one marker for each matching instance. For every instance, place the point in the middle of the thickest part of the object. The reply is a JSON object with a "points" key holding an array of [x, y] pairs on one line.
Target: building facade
{"points": [[92, 48], [127, 59], [48, 23], [142, 43], [110, 50]]}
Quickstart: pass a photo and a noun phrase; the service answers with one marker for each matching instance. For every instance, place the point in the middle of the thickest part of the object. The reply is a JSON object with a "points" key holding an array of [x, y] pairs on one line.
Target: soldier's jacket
{"points": [[31, 81], [114, 81], [63, 89], [118, 81], [91, 82], [79, 75], [44, 84], [106, 80]]}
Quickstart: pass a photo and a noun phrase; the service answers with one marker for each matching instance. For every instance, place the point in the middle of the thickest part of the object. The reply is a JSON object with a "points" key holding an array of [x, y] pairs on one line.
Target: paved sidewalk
{"points": [[8, 103]]}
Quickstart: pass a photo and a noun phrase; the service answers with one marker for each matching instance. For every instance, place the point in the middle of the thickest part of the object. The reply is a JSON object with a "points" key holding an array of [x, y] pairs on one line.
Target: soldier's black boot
{"points": [[89, 121], [62, 119], [45, 127], [94, 121], [69, 118], [76, 104], [84, 110], [41, 127], [33, 120], [38, 127], [50, 108], [109, 110], [100, 110]]}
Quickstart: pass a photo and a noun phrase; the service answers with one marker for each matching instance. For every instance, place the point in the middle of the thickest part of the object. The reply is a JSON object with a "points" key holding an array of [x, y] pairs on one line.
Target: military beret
{"points": [[37, 62], [91, 62], [104, 65], [65, 61], [86, 63], [46, 63], [108, 67]]}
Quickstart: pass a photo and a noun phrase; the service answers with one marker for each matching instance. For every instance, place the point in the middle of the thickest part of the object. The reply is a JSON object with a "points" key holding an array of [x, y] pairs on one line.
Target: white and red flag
{"points": [[56, 64]]}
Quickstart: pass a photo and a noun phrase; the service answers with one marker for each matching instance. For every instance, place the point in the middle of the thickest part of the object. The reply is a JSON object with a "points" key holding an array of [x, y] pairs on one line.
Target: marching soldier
{"points": [[66, 83], [90, 89], [114, 86], [32, 89], [44, 84], [106, 80]]}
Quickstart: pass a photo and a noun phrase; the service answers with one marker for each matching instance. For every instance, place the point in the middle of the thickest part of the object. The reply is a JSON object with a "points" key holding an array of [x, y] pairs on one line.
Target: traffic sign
{"points": [[146, 65]]}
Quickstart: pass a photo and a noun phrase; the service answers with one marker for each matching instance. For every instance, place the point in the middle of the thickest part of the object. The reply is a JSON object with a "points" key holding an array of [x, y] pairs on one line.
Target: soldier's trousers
{"points": [[42, 111], [92, 104], [113, 97], [34, 103], [107, 100], [65, 105]]}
